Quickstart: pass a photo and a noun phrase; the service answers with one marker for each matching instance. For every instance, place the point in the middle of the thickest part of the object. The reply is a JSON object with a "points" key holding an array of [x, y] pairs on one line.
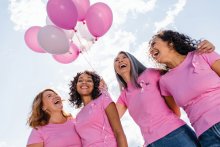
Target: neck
{"points": [[175, 60], [57, 118], [86, 99], [126, 77]]}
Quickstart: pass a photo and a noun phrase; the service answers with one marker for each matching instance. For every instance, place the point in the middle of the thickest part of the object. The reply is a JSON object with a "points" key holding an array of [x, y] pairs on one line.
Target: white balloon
{"points": [[69, 33], [53, 40], [84, 32]]}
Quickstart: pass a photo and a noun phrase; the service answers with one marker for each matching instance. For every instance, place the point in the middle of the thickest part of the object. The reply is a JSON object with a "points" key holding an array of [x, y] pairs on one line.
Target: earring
{"points": [[44, 109], [171, 44]]}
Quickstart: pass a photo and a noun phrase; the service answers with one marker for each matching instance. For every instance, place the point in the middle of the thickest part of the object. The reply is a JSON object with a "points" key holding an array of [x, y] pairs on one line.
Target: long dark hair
{"points": [[136, 69], [181, 42], [75, 97]]}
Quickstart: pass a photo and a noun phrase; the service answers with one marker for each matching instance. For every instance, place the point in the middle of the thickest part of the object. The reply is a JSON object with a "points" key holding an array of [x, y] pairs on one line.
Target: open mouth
{"points": [[57, 101], [84, 87], [123, 66], [155, 53]]}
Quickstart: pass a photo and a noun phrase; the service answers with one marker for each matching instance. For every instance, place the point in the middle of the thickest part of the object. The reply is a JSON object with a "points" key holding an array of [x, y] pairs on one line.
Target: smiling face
{"points": [[85, 85], [160, 50], [122, 65], [51, 102]]}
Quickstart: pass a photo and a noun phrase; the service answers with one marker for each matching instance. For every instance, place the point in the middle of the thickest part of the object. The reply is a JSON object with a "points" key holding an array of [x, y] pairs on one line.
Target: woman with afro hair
{"points": [[97, 123], [192, 79]]}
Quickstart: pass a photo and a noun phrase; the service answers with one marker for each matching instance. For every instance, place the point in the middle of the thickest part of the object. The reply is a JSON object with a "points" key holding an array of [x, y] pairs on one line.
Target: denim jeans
{"points": [[211, 137], [181, 137]]}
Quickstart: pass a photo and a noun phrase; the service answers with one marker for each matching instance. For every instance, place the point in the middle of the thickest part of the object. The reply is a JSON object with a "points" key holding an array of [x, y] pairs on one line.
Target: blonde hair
{"points": [[39, 117]]}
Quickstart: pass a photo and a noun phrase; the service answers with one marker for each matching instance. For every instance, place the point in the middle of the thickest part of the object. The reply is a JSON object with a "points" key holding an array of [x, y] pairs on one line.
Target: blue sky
{"points": [[24, 73]]}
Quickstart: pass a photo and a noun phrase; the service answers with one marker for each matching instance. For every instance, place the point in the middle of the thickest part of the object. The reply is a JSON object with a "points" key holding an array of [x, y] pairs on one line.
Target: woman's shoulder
{"points": [[104, 95], [70, 118], [38, 130], [152, 71]]}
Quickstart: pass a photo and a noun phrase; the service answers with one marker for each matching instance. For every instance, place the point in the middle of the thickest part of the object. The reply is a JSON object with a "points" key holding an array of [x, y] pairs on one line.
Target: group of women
{"points": [[190, 79]]}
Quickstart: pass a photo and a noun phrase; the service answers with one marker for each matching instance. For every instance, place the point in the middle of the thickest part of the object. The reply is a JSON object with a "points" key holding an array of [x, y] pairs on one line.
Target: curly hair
{"points": [[38, 117], [75, 98], [181, 42]]}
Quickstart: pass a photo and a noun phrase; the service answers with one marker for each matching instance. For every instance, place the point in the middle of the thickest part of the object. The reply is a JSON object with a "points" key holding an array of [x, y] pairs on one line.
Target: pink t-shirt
{"points": [[56, 135], [93, 126], [148, 108], [196, 88]]}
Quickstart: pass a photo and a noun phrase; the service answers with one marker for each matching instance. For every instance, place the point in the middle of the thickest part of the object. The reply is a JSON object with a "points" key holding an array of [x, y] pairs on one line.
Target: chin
{"points": [[85, 94]]}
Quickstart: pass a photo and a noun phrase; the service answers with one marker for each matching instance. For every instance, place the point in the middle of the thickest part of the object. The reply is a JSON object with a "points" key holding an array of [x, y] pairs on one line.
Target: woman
{"points": [[51, 126], [141, 96], [97, 123], [199, 91]]}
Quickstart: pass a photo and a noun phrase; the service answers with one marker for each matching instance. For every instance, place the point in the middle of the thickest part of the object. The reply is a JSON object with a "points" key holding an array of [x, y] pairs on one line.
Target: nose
{"points": [[84, 81], [151, 51], [120, 60], [56, 96]]}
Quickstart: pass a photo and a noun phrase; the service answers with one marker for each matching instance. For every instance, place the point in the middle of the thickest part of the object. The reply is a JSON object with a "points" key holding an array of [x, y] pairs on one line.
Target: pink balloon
{"points": [[82, 6], [62, 13], [53, 40], [68, 57], [99, 19], [31, 40]]}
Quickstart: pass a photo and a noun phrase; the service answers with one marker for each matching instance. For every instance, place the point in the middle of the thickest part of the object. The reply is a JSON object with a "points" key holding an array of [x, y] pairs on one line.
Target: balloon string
{"points": [[81, 51], [80, 42], [88, 62]]}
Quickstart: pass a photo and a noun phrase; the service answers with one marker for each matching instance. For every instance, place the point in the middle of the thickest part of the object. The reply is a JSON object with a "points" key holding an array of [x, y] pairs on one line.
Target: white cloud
{"points": [[26, 13], [171, 14], [123, 7], [5, 144]]}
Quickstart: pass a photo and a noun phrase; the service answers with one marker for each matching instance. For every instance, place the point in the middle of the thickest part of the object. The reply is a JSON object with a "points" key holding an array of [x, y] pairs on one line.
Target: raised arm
{"points": [[113, 117], [172, 105]]}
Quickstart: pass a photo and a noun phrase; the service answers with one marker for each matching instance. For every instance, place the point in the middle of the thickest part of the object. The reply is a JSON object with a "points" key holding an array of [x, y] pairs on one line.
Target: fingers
{"points": [[103, 86], [205, 47]]}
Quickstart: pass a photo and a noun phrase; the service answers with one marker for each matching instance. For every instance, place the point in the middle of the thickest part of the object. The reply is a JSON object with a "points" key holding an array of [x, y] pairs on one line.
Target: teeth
{"points": [[56, 102], [156, 53], [123, 65], [84, 87]]}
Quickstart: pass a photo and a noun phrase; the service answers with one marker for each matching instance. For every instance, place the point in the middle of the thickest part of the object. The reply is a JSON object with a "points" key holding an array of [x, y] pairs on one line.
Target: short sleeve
{"points": [[211, 57], [121, 99], [106, 99], [163, 88], [150, 75], [155, 73], [35, 137]]}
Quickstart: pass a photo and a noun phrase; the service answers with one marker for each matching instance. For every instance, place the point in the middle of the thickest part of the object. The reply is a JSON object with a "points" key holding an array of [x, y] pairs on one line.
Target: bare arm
{"points": [[36, 145], [121, 109], [112, 114], [216, 67], [172, 105]]}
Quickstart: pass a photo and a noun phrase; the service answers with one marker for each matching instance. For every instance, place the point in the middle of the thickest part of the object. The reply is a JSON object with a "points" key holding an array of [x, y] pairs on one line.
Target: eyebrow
{"points": [[90, 77], [48, 94], [152, 44]]}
